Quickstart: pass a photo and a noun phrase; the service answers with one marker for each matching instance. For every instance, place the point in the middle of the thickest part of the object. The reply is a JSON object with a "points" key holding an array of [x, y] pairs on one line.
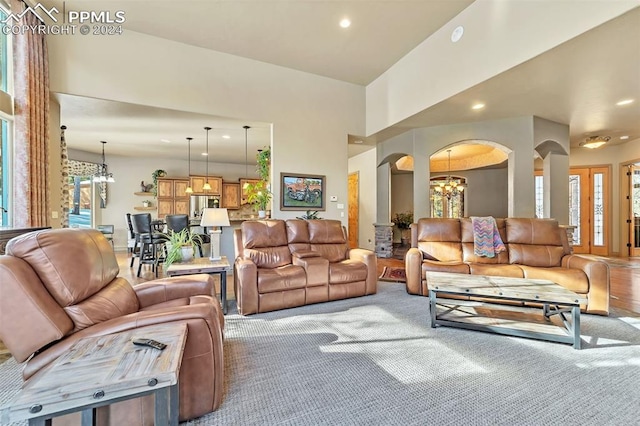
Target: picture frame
{"points": [[302, 192]]}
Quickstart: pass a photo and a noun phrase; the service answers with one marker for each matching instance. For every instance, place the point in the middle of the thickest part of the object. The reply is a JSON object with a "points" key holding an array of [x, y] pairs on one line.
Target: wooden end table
{"points": [[204, 265], [101, 370]]}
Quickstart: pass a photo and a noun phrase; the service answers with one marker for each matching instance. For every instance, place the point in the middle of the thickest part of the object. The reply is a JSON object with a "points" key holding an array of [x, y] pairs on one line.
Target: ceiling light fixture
{"points": [[189, 189], [207, 186], [457, 33], [226, 137], [625, 102], [449, 187], [624, 138], [477, 106], [345, 23], [102, 175], [593, 142]]}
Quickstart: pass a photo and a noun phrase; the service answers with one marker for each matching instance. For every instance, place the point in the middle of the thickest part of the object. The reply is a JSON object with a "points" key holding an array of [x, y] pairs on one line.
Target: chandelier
{"points": [[449, 187], [103, 175]]}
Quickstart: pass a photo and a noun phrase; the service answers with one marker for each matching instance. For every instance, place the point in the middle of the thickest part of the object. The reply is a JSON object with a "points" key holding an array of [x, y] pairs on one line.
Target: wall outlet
{"points": [[54, 214]]}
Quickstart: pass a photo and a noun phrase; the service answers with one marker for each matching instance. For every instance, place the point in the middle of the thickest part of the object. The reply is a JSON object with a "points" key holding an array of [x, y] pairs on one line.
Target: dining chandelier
{"points": [[449, 187], [102, 175]]}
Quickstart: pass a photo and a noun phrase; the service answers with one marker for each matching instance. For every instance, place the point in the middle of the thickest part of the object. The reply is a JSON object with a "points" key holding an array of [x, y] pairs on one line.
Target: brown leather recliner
{"points": [[286, 264], [58, 286], [535, 249]]}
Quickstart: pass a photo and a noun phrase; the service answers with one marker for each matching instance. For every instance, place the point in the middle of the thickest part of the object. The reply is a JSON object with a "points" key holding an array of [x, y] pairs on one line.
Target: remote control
{"points": [[149, 342]]}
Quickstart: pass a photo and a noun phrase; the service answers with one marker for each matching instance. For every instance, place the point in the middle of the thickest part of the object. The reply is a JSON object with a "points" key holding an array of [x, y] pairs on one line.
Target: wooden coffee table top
{"points": [[198, 265], [522, 289]]}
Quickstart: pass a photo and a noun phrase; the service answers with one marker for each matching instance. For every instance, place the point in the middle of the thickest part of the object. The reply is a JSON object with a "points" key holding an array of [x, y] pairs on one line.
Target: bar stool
{"points": [[178, 222], [152, 248]]}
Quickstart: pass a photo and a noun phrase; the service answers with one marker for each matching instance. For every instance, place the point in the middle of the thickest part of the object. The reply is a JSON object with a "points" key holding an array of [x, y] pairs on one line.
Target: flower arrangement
{"points": [[403, 220]]}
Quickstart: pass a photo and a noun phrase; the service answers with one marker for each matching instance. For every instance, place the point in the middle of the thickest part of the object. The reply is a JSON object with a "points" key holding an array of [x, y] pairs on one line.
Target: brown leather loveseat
{"points": [[536, 249], [58, 286], [282, 264]]}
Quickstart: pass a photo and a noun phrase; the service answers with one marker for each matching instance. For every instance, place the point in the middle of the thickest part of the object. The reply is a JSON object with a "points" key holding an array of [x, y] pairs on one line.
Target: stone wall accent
{"points": [[384, 239]]}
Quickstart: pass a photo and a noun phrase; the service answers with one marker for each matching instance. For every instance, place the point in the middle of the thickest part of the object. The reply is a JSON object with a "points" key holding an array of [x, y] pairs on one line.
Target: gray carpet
{"points": [[375, 360]]}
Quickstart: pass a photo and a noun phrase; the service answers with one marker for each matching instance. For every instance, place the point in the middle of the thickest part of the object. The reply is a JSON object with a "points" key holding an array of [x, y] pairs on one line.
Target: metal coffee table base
{"points": [[571, 325]]}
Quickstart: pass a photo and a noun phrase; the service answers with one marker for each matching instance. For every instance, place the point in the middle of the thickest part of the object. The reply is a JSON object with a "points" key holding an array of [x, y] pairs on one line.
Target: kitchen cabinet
{"points": [[197, 183], [230, 195], [243, 194]]}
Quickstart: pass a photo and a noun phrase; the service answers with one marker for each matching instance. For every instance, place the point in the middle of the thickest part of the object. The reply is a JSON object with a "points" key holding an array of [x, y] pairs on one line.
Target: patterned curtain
{"points": [[64, 163], [31, 125]]}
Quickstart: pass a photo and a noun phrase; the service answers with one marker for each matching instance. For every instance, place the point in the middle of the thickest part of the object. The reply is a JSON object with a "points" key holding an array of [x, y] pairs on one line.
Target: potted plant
{"points": [[403, 221], [155, 175], [181, 246], [259, 195], [146, 203]]}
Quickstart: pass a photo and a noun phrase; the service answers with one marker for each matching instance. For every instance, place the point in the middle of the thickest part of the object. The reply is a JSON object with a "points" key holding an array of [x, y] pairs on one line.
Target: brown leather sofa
{"points": [[536, 248], [282, 264], [61, 285]]}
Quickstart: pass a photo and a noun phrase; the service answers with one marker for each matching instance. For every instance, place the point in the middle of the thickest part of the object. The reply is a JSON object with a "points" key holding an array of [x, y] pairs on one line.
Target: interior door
{"points": [[354, 209], [589, 209], [634, 209]]}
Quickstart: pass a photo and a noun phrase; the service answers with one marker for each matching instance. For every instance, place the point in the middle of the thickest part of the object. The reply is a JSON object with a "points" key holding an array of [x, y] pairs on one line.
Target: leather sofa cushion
{"points": [[453, 267], [326, 231], [269, 257], [288, 277], [72, 267], [571, 279], [511, 271], [115, 300], [347, 271], [533, 231], [444, 251], [440, 230], [468, 255], [467, 229], [534, 255]]}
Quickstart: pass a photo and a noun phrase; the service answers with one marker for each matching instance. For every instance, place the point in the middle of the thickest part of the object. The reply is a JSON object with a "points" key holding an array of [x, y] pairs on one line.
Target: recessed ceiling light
{"points": [[205, 154], [165, 140], [624, 138], [457, 33], [478, 106], [345, 23], [625, 102], [358, 141], [226, 137]]}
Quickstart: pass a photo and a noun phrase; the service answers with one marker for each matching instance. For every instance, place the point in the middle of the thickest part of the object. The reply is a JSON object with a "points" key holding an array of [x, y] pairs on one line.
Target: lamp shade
{"points": [[215, 217]]}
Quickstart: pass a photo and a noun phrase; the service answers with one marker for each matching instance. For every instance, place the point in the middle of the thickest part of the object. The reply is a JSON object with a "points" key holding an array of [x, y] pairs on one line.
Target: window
{"points": [[5, 121], [451, 205]]}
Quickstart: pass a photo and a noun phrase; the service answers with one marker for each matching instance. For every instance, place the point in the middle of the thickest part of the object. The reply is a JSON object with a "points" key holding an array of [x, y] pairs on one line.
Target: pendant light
{"points": [[246, 150], [206, 186], [189, 189], [103, 175]]}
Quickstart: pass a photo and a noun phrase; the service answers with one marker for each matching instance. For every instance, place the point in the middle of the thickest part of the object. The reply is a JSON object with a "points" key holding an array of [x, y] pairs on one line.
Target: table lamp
{"points": [[215, 218]]}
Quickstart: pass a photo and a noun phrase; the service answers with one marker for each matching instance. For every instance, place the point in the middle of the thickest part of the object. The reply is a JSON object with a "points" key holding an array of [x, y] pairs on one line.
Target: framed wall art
{"points": [[302, 192]]}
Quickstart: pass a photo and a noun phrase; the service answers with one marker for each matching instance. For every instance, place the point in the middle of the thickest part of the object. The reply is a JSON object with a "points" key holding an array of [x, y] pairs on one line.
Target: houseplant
{"points": [[259, 195], [155, 175], [403, 221], [181, 246]]}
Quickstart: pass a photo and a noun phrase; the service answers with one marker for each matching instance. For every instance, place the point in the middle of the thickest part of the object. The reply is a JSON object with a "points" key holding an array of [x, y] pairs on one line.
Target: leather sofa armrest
{"points": [[245, 279], [165, 289], [316, 269], [305, 254], [200, 311], [413, 270], [598, 275], [368, 258]]}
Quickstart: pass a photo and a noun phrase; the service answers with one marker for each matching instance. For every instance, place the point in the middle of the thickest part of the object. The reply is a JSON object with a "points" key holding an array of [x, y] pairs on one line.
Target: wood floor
{"points": [[625, 281]]}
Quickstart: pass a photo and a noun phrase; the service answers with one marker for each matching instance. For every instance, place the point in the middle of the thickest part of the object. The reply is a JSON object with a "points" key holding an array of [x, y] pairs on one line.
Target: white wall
{"points": [[438, 69], [365, 165], [311, 115]]}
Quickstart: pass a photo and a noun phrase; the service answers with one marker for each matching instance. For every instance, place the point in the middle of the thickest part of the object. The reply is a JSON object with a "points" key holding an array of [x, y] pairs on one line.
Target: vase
{"points": [[187, 253], [262, 214]]}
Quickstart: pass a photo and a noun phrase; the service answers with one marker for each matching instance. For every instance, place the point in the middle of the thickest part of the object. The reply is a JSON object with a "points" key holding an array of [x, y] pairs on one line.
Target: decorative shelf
{"points": [[148, 194], [144, 208]]}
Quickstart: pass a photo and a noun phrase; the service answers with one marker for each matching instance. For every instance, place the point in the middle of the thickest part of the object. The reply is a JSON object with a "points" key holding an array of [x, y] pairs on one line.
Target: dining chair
{"points": [[152, 248]]}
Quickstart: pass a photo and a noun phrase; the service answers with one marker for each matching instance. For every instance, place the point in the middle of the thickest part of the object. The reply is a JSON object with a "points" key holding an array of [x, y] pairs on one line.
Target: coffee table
{"points": [[203, 265], [101, 370], [553, 298]]}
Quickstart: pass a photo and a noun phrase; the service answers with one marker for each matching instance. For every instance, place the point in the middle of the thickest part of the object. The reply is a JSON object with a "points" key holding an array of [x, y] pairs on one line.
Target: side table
{"points": [[101, 370], [203, 265]]}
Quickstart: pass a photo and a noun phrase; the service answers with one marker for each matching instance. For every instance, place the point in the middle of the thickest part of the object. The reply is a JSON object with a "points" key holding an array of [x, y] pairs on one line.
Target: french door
{"points": [[589, 210], [634, 209]]}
